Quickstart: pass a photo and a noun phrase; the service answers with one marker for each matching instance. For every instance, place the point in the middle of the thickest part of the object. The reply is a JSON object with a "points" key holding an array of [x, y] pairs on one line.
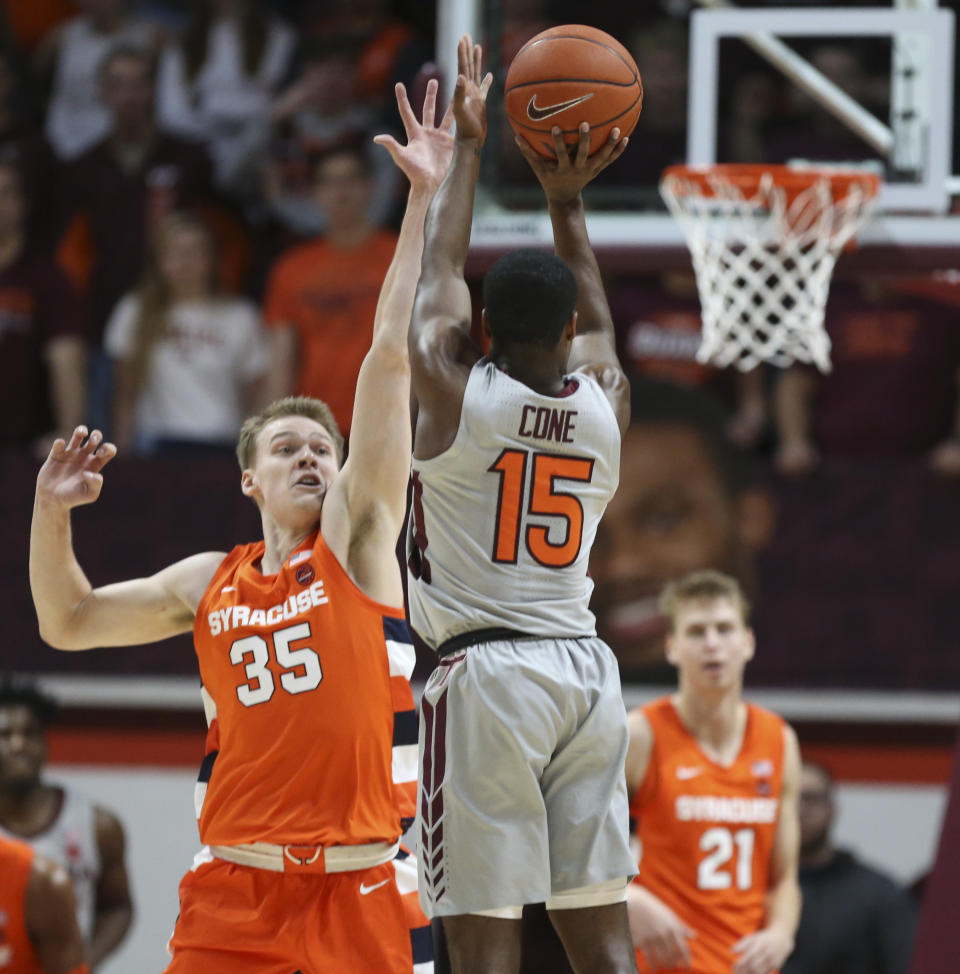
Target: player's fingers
{"points": [[77, 437], [460, 91], [93, 480], [559, 148], [430, 104], [583, 144], [477, 62], [605, 153], [446, 123], [93, 441], [464, 56], [485, 85], [407, 115], [526, 150], [102, 457], [57, 448]]}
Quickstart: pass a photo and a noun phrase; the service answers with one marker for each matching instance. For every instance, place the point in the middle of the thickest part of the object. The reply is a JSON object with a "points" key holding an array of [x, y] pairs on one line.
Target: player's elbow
{"points": [[62, 633]]}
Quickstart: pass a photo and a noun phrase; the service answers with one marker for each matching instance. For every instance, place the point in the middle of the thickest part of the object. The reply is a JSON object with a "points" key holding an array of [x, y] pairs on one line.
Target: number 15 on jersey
{"points": [[545, 498]]}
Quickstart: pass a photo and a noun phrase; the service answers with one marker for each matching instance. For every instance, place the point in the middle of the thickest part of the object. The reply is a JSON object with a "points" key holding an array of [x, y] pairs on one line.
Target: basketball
{"points": [[568, 75]]}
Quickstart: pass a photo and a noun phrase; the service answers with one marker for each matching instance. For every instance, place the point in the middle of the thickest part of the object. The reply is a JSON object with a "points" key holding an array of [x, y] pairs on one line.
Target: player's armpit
{"points": [[51, 919]]}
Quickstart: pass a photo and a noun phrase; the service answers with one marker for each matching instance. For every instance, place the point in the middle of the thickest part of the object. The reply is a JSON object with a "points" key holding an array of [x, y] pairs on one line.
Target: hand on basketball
{"points": [[762, 952], [563, 178], [426, 156], [71, 474], [657, 930], [470, 95]]}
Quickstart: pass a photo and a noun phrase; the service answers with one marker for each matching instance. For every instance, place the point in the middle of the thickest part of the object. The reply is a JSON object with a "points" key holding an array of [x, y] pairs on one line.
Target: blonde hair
{"points": [[313, 409], [702, 586], [154, 296]]}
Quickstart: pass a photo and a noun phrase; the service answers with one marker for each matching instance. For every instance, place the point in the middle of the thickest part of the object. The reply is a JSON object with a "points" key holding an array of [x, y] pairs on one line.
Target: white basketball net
{"points": [[763, 268]]}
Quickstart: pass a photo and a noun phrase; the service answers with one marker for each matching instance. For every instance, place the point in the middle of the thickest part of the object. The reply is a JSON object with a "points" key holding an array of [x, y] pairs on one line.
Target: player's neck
{"points": [[281, 541], [542, 373], [716, 720], [28, 810]]}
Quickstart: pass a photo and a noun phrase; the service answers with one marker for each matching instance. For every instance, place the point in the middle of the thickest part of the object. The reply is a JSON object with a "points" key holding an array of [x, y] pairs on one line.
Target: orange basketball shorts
{"points": [[240, 920]]}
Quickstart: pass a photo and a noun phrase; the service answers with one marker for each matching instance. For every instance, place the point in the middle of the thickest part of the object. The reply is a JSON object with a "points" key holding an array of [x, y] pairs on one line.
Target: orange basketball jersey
{"points": [[707, 831], [312, 731], [17, 955]]}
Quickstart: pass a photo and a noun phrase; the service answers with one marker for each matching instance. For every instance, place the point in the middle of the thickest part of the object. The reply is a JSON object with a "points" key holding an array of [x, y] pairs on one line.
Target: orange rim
{"points": [[746, 178]]}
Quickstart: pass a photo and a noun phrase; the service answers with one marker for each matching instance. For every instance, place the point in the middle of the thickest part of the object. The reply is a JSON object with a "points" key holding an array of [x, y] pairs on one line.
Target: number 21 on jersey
{"points": [[729, 857], [545, 499]]}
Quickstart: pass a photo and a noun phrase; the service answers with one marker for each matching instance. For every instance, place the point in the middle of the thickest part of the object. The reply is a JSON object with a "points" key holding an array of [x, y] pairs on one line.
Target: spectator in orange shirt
{"points": [[321, 295]]}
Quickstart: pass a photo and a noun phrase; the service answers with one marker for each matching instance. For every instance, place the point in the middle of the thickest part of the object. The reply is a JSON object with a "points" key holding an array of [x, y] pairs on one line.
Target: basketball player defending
{"points": [[714, 785], [523, 731], [39, 933], [301, 642]]}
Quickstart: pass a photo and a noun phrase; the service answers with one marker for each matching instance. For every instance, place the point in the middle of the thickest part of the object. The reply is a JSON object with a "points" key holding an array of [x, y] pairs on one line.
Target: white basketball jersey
{"points": [[71, 841], [502, 522]]}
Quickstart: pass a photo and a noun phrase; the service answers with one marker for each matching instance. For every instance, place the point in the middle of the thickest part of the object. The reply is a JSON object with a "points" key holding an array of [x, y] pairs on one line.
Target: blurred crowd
{"points": [[194, 221]]}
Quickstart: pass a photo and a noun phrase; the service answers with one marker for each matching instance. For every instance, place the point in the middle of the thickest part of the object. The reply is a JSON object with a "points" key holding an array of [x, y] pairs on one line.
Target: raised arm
{"points": [[441, 352], [594, 348], [72, 613], [373, 483]]}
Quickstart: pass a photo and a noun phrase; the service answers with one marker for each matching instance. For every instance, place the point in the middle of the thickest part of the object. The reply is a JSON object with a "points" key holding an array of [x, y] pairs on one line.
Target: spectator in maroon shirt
{"points": [[42, 346], [893, 391], [126, 183]]}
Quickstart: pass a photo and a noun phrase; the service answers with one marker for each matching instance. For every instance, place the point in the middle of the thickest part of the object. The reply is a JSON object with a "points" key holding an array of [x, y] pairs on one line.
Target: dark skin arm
{"points": [[50, 910], [594, 349], [441, 352], [114, 911]]}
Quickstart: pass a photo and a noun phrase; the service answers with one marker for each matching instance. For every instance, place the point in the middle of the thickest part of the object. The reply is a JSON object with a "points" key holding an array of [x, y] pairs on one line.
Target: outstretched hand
{"points": [[563, 178], [426, 156], [71, 474], [470, 95]]}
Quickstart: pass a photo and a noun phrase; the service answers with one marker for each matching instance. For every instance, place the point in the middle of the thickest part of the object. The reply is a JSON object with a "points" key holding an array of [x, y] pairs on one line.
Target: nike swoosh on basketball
{"points": [[369, 889], [537, 114], [684, 773]]}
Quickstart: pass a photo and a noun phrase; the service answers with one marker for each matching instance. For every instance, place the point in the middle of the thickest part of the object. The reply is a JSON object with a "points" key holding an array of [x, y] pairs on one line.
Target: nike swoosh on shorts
{"points": [[364, 890]]}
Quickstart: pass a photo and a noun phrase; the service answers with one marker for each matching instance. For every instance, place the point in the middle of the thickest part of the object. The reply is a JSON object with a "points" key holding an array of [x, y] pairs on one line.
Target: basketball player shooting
{"points": [[714, 785], [301, 643], [523, 729]]}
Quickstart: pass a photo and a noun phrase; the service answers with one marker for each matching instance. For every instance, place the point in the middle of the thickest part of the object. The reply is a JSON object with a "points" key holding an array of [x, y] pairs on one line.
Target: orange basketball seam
{"points": [[567, 81], [578, 37]]}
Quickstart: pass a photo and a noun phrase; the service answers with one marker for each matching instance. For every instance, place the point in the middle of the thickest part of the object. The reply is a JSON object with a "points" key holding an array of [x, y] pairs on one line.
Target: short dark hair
{"points": [[21, 692], [528, 297], [654, 402]]}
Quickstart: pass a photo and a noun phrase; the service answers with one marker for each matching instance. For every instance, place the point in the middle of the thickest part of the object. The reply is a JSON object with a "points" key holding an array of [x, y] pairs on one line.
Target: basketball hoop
{"points": [[764, 241]]}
